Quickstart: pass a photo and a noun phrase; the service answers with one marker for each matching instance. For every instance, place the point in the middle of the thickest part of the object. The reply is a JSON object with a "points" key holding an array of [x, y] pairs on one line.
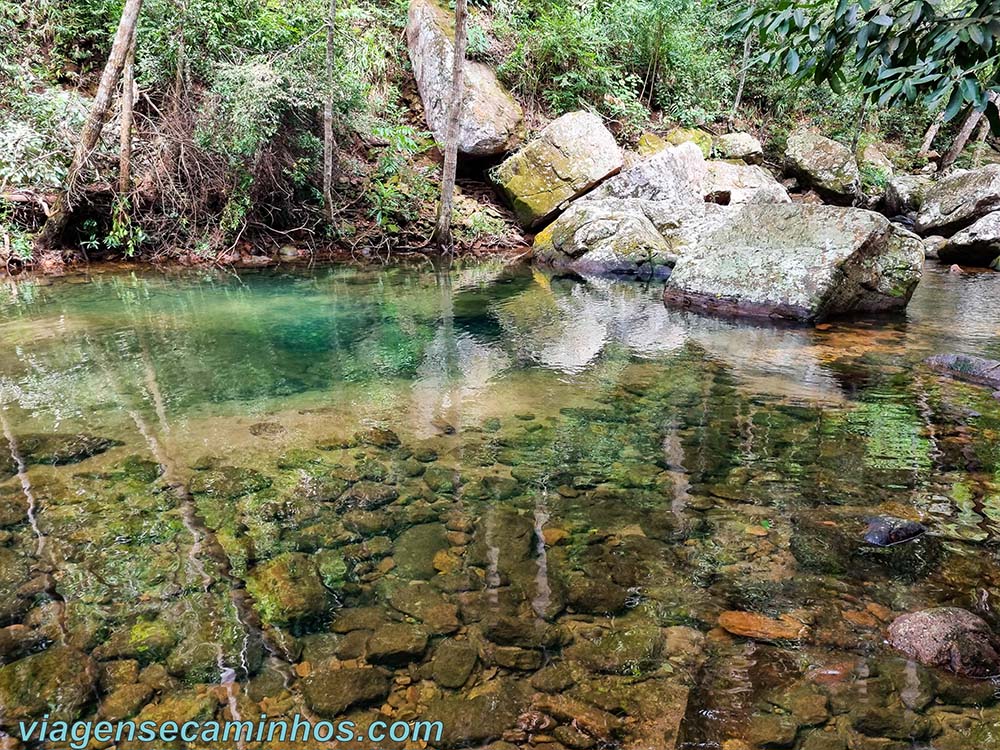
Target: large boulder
{"points": [[797, 261], [607, 236], [624, 236], [673, 174], [958, 200], [978, 245], [827, 166], [729, 183], [948, 637], [739, 146], [491, 119], [904, 193], [567, 159]]}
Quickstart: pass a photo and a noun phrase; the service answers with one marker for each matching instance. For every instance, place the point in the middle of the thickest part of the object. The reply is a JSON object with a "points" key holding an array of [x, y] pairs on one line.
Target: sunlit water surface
{"points": [[525, 500]]}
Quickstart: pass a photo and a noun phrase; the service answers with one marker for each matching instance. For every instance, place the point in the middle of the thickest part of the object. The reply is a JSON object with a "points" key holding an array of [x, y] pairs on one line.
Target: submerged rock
{"points": [[59, 682], [825, 165], [228, 482], [977, 245], [330, 692], [288, 589], [396, 643], [60, 449], [491, 119], [739, 146], [762, 628], [477, 718], [977, 370], [367, 495], [415, 548], [886, 531], [567, 159], [801, 262], [948, 637], [958, 200], [453, 662]]}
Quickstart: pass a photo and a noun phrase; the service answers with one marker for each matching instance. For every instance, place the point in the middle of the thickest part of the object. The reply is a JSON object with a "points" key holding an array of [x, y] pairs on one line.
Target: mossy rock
{"points": [[229, 482], [288, 589], [698, 137], [60, 682], [650, 143]]}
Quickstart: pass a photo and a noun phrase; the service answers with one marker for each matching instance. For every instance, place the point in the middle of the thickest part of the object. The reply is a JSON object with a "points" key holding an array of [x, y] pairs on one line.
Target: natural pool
{"points": [[513, 503]]}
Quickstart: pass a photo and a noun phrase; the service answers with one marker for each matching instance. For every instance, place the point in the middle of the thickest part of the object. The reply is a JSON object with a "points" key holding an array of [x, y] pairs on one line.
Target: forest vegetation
{"points": [[230, 101]]}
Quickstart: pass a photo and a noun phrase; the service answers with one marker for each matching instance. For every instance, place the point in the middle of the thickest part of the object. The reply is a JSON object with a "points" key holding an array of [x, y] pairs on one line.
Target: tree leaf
{"points": [[792, 62]]}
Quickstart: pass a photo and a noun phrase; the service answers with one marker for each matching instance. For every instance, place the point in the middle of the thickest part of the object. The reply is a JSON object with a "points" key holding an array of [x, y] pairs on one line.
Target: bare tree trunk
{"points": [[51, 233], [442, 233], [128, 104], [964, 134], [328, 114], [931, 134], [743, 78], [984, 131]]}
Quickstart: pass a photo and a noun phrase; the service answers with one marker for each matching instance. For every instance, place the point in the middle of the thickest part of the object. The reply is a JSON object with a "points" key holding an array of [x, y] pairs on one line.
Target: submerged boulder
{"points": [[971, 369], [59, 449], [491, 119], [58, 682], [800, 262], [827, 166], [729, 183], [958, 200], [948, 637], [977, 245], [288, 589], [567, 159], [739, 146]]}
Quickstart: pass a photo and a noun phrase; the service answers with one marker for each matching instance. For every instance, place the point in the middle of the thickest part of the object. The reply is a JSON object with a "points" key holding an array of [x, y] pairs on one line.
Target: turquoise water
{"points": [[521, 502]]}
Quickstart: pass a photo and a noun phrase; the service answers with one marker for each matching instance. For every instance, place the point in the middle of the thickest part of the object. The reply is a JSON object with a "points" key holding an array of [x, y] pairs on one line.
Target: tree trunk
{"points": [[442, 233], [931, 134], [128, 103], [743, 78], [984, 131], [964, 134], [51, 233], [328, 114]]}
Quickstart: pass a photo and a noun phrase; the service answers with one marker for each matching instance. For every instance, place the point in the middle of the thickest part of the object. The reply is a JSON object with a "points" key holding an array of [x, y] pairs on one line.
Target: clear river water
{"points": [[517, 504]]}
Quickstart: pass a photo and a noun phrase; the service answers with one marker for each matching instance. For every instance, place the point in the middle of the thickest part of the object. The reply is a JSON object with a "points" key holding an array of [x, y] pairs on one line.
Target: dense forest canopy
{"points": [[230, 96]]}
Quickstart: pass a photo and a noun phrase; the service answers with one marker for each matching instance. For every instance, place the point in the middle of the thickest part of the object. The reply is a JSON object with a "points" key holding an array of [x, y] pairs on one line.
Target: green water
{"points": [[521, 502]]}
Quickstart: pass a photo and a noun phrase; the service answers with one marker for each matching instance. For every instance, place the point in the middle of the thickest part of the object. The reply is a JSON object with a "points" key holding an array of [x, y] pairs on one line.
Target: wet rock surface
{"points": [[948, 637]]}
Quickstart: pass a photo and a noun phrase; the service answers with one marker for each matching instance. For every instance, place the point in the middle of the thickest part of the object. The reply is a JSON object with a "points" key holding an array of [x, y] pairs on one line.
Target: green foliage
{"points": [[901, 51], [874, 179]]}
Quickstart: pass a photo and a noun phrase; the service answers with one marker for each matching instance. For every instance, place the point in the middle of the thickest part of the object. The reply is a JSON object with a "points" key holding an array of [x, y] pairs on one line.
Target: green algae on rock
{"points": [[569, 157]]}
